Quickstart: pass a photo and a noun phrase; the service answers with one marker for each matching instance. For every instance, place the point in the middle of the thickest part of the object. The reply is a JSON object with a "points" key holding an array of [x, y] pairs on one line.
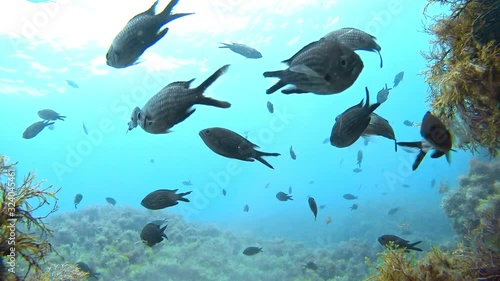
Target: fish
{"points": [[231, 145], [78, 199], [366, 140], [111, 201], [188, 183], [349, 125], [283, 196], [399, 242], [85, 129], [292, 153], [224, 192], [267, 185], [313, 206], [341, 161], [383, 94], [435, 136], [72, 84], [250, 251], [405, 185], [354, 207], [50, 115], [151, 161], [140, 33], [408, 123], [379, 126], [86, 269], [246, 208], [357, 170], [311, 182], [152, 234], [393, 211], [326, 140], [270, 107], [360, 157], [172, 105], [349, 196], [243, 50], [398, 78], [51, 127], [356, 40], [321, 207], [328, 220], [311, 265], [289, 190], [433, 182], [163, 198], [325, 67], [34, 129]]}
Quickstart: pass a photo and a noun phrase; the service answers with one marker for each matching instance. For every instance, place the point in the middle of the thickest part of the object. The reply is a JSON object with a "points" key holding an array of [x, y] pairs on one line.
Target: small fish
{"points": [[250, 251], [270, 107], [383, 94], [246, 208], [327, 140], [224, 192], [292, 153], [78, 199], [398, 78], [393, 211], [163, 198], [111, 201], [267, 185], [357, 170], [289, 190], [366, 140], [51, 127], [408, 123], [140, 33], [243, 50], [349, 125], [151, 160], [384, 193], [321, 207], [433, 182], [50, 115], [311, 265], [349, 196], [328, 220], [379, 126], [34, 129], [341, 162], [85, 129], [188, 183], [354, 207], [313, 206], [360, 157], [405, 185], [231, 145], [283, 196], [152, 234], [72, 84], [399, 242], [85, 268], [311, 182]]}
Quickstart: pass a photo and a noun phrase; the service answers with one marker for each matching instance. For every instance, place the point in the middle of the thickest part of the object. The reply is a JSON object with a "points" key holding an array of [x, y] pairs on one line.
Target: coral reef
{"points": [[464, 71], [21, 249]]}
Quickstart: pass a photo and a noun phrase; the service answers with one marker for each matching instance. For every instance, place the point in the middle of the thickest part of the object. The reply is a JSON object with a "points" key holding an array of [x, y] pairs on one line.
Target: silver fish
{"points": [[172, 105], [292, 153], [243, 50], [140, 33], [324, 68], [383, 94], [35, 128], [380, 127], [49, 115], [398, 78], [351, 123]]}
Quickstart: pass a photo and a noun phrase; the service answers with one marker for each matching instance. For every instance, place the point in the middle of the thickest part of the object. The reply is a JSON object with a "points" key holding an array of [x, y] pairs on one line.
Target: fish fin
{"points": [[395, 145], [166, 15], [437, 154], [225, 45], [412, 144], [160, 35], [181, 198], [304, 69], [188, 113], [412, 246], [294, 90], [277, 74], [280, 84], [261, 160], [150, 11], [448, 157], [203, 86], [60, 117], [418, 160], [213, 102], [381, 62]]}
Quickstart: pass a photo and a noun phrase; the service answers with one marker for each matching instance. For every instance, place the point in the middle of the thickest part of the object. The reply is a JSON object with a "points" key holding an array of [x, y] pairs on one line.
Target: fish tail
{"points": [[181, 198], [167, 16], [381, 62], [395, 145], [61, 118], [412, 246], [225, 45], [261, 160], [280, 84], [418, 160], [277, 73], [203, 86]]}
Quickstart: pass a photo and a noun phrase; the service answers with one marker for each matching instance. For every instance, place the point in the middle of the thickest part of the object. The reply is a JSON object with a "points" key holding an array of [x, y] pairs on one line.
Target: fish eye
{"points": [[207, 131], [343, 62]]}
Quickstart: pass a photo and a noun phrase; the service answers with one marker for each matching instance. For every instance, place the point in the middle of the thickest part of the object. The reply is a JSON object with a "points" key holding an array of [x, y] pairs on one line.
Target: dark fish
{"points": [[111, 201], [398, 78], [172, 105], [349, 196], [356, 40], [246, 208], [229, 144], [35, 128], [366, 140], [243, 50], [140, 33], [50, 115], [163, 198], [292, 153], [435, 136], [85, 129], [152, 234], [188, 182], [311, 265], [283, 196], [311, 182], [354, 207], [224, 192], [323, 67], [313, 206], [405, 185], [250, 251], [270, 107], [360, 157], [289, 190], [321, 207], [379, 126], [393, 211], [327, 140], [351, 123], [383, 94], [357, 170], [78, 199], [151, 160], [433, 182], [400, 242], [72, 84], [267, 185], [86, 268], [408, 123]]}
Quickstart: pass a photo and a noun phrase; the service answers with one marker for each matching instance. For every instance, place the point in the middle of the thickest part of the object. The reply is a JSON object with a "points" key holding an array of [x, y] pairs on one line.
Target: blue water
{"points": [[108, 162]]}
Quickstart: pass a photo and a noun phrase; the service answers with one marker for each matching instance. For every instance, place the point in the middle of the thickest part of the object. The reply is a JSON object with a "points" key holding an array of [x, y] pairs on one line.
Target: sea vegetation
{"points": [[464, 71]]}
